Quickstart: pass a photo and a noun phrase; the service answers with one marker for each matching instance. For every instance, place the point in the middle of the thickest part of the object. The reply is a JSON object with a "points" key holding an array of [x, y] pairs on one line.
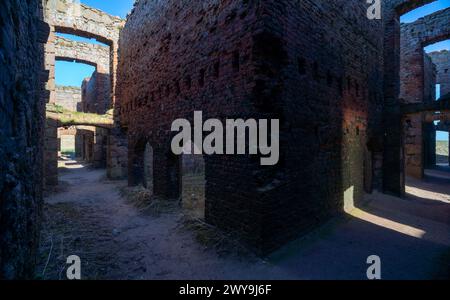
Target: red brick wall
{"points": [[323, 83], [414, 37]]}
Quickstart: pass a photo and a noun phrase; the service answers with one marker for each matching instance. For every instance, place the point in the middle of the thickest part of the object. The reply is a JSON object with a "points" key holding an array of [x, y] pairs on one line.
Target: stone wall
{"points": [[442, 61], [219, 61], [393, 171], [71, 17], [22, 34], [88, 53], [414, 37], [429, 130], [96, 93], [117, 154], [430, 79], [99, 98], [69, 97]]}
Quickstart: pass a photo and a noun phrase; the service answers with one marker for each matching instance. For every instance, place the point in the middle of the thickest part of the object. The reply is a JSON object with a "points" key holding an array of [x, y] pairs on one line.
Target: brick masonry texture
{"points": [[328, 73], [414, 37], [258, 60], [442, 61], [429, 130], [393, 168], [22, 95]]}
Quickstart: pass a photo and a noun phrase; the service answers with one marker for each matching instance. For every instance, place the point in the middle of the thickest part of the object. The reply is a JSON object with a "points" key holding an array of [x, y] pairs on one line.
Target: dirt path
{"points": [[115, 240]]}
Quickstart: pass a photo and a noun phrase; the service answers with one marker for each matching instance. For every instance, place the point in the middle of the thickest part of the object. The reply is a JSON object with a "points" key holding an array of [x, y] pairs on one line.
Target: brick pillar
{"points": [[117, 155], [51, 127], [51, 153], [413, 128], [113, 66], [167, 181], [393, 162], [429, 147]]}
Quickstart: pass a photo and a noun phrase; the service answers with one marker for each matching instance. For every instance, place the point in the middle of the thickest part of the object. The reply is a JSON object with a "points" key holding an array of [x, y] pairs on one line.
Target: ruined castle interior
{"points": [[362, 104]]}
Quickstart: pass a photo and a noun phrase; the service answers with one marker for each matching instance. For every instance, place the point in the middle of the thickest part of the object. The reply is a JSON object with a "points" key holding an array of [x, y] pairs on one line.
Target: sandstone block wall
{"points": [[99, 86], [430, 78], [442, 61], [71, 17], [258, 59], [117, 154], [414, 37], [96, 97], [88, 53], [69, 97], [22, 34]]}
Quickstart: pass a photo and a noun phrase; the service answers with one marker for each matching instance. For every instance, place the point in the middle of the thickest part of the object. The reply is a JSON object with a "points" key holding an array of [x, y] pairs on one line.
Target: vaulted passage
{"points": [[352, 112]]}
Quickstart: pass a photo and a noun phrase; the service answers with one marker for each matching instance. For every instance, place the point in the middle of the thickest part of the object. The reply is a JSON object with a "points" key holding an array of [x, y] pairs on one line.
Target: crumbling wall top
{"points": [[69, 16], [92, 54], [427, 30]]}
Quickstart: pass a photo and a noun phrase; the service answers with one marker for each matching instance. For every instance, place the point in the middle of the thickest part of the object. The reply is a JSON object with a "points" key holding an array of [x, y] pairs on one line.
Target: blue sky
{"points": [[425, 10], [441, 136], [118, 8]]}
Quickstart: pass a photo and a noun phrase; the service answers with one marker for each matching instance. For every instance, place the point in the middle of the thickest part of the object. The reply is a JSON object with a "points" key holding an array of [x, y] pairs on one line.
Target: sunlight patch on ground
{"points": [[353, 211], [68, 163], [418, 192], [389, 224]]}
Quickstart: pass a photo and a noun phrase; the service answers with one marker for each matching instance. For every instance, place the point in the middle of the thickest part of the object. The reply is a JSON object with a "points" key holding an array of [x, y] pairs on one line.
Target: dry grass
{"points": [[212, 237], [146, 203], [69, 230], [69, 118], [205, 234]]}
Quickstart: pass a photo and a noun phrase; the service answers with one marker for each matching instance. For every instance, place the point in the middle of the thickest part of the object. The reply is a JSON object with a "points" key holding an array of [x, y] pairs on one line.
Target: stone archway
{"points": [[415, 68], [393, 178], [71, 17]]}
